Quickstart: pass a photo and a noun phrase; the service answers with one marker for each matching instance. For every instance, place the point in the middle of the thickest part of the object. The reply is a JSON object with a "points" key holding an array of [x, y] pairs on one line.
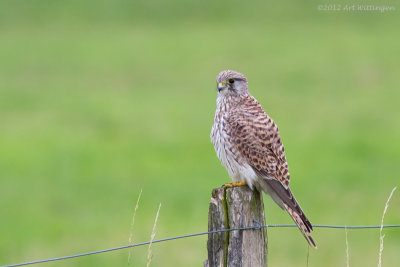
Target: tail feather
{"points": [[284, 198], [302, 223]]}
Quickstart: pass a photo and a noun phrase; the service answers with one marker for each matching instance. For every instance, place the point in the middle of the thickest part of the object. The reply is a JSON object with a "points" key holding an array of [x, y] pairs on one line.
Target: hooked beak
{"points": [[221, 86]]}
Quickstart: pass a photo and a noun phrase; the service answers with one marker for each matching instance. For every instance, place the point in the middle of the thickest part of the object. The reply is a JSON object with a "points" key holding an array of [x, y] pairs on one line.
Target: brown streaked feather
{"points": [[289, 200], [256, 137], [284, 194], [305, 230], [248, 144]]}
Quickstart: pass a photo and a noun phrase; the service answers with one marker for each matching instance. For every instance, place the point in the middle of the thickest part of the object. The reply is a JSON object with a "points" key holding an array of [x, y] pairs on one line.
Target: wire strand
{"points": [[255, 227]]}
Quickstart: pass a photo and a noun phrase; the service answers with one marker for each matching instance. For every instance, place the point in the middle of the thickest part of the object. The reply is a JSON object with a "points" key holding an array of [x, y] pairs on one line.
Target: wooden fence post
{"points": [[234, 208]]}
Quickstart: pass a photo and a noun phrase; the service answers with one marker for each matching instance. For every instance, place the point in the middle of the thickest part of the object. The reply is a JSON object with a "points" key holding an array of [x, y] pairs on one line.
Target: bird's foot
{"points": [[235, 184]]}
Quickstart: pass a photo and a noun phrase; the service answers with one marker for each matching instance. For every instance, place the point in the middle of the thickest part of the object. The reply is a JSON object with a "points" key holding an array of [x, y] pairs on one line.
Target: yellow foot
{"points": [[235, 184]]}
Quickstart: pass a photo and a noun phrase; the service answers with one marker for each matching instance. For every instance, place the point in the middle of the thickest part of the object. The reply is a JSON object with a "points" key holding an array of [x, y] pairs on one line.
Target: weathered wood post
{"points": [[235, 208]]}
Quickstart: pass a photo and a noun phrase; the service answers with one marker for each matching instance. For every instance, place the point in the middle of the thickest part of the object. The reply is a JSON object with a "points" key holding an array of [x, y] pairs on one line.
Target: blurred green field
{"points": [[101, 100]]}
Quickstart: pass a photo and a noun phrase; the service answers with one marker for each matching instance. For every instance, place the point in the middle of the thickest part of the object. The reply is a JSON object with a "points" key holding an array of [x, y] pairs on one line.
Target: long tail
{"points": [[284, 198], [302, 223]]}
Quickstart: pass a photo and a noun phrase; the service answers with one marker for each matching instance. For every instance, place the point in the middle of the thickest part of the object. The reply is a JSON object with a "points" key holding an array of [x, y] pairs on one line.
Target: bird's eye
{"points": [[231, 81]]}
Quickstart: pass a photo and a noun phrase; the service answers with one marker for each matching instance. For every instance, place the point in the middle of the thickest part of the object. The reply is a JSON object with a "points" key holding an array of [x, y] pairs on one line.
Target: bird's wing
{"points": [[256, 137]]}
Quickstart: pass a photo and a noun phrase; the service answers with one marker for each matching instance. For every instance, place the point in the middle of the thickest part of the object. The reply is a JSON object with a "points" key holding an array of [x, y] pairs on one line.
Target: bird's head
{"points": [[230, 82]]}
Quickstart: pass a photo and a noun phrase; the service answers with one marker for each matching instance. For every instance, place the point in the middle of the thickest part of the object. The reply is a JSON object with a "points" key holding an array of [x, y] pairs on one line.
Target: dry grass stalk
{"points": [[381, 237], [130, 240], [153, 234], [347, 249]]}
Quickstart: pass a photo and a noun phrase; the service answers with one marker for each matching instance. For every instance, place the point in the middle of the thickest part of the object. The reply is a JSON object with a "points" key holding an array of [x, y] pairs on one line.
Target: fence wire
{"points": [[254, 227]]}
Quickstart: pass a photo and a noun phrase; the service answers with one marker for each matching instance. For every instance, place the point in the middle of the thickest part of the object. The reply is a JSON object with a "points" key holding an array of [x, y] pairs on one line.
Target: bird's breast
{"points": [[223, 143]]}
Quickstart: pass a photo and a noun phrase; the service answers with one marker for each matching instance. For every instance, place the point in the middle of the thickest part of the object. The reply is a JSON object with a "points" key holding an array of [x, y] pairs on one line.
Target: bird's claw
{"points": [[235, 184]]}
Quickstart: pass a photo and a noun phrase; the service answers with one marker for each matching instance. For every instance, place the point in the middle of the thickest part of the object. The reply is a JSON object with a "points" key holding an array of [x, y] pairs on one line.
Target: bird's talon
{"points": [[235, 184]]}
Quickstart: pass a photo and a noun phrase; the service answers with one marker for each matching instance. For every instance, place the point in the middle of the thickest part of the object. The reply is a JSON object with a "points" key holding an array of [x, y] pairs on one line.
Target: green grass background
{"points": [[102, 99]]}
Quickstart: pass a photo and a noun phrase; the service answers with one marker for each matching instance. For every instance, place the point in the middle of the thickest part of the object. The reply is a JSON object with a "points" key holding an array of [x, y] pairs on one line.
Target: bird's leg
{"points": [[235, 184]]}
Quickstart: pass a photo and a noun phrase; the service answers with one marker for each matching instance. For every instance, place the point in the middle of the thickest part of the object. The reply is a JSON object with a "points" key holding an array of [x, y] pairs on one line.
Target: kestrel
{"points": [[247, 143]]}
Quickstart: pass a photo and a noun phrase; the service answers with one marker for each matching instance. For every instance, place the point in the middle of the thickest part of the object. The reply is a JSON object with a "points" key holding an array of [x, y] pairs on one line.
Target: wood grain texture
{"points": [[234, 208]]}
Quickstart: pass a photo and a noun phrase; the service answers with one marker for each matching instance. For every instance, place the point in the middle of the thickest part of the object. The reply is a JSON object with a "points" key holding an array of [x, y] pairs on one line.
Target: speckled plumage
{"points": [[247, 142]]}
